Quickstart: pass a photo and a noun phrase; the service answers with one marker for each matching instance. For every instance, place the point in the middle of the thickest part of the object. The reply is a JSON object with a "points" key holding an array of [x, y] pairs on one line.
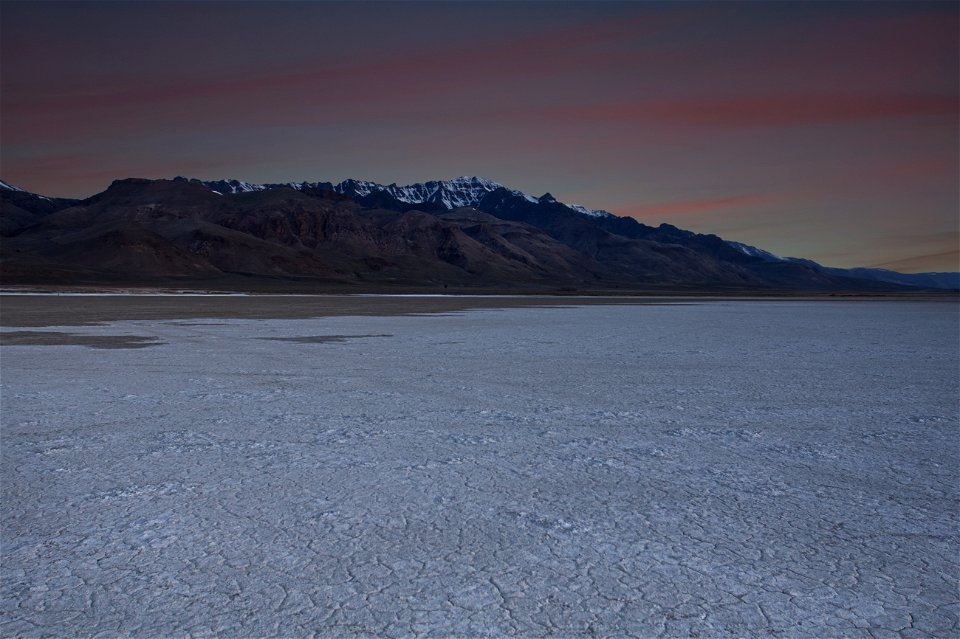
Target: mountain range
{"points": [[468, 233]]}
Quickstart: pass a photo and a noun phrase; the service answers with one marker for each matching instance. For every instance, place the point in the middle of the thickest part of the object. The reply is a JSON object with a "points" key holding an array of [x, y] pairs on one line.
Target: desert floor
{"points": [[478, 467]]}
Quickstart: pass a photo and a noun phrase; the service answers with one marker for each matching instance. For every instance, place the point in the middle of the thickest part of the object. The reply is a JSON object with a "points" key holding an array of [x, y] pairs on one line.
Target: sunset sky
{"points": [[820, 130]]}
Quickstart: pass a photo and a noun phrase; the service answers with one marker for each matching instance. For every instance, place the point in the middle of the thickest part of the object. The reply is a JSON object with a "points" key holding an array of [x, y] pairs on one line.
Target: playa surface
{"points": [[449, 467], [77, 309]]}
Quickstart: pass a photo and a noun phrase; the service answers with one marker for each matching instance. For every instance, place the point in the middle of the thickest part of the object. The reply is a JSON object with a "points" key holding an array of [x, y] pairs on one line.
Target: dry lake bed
{"points": [[185, 467]]}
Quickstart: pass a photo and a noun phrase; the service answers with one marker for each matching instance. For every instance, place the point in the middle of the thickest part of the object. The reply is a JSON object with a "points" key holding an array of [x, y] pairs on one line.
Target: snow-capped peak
{"points": [[450, 194], [358, 188]]}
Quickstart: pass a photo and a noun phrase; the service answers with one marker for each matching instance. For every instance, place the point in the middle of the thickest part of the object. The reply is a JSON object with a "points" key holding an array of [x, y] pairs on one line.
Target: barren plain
{"points": [[435, 468]]}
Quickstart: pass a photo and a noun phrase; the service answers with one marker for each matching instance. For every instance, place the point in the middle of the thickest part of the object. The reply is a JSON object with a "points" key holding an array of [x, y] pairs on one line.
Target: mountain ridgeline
{"points": [[461, 234]]}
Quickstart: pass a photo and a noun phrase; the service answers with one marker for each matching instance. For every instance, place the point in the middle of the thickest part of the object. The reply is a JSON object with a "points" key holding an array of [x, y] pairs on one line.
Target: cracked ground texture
{"points": [[721, 469]]}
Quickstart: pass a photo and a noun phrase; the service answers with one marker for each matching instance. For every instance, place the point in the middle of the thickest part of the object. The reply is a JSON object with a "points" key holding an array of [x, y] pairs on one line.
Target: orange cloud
{"points": [[767, 110]]}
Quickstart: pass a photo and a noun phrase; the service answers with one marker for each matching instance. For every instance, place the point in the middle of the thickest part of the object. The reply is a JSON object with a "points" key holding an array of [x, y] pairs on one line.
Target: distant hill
{"points": [[937, 280]]}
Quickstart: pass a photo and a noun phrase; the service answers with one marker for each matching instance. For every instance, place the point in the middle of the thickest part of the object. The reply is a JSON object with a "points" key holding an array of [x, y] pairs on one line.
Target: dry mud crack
{"points": [[729, 469]]}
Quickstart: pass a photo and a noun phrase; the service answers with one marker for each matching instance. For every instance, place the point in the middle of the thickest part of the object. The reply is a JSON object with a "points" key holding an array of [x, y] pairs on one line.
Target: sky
{"points": [[811, 129]]}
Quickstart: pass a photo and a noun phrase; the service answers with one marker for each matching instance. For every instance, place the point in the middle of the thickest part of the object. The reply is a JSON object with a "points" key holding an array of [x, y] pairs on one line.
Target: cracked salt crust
{"points": [[727, 469]]}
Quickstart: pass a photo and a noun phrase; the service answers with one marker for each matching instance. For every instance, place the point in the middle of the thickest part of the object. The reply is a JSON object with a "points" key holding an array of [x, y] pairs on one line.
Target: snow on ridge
{"points": [[589, 212], [451, 194], [455, 193], [239, 186], [753, 251], [231, 186], [359, 188], [302, 186], [4, 186]]}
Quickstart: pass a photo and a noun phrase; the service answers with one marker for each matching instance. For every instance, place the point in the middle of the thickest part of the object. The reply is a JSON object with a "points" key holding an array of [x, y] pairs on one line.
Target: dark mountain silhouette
{"points": [[363, 236], [19, 209]]}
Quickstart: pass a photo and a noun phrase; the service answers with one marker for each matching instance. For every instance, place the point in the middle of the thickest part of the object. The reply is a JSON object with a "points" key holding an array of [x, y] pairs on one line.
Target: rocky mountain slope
{"points": [[467, 233]]}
